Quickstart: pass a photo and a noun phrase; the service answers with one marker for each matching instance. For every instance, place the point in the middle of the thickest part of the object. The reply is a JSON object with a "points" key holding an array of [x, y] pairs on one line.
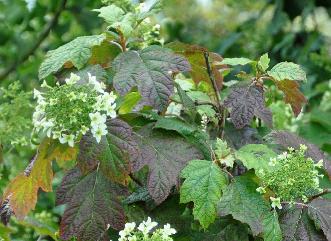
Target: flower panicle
{"points": [[66, 112]]}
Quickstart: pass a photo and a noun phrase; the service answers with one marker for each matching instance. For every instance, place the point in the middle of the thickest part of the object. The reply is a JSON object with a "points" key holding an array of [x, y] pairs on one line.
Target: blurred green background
{"points": [[289, 30]]}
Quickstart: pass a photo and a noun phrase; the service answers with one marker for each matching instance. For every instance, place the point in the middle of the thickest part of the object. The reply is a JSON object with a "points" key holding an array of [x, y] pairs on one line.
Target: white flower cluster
{"points": [[69, 111], [143, 232]]}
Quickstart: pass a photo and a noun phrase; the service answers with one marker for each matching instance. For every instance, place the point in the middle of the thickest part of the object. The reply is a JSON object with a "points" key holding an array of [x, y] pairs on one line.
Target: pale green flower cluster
{"points": [[66, 112], [293, 177], [146, 231]]}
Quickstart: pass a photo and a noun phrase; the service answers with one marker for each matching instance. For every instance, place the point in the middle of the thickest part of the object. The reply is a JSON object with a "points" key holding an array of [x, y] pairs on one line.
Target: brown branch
{"points": [[38, 42], [212, 79], [325, 191], [220, 108]]}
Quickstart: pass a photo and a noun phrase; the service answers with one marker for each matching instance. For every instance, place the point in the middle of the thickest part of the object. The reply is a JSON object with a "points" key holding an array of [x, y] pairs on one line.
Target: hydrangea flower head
{"points": [[293, 177], [66, 112]]}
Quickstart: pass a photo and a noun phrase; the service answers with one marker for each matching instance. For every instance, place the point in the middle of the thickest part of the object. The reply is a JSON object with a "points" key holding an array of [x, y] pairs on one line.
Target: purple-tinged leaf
{"points": [[296, 225], [114, 153], [320, 211], [166, 154], [93, 205], [244, 103], [151, 70]]}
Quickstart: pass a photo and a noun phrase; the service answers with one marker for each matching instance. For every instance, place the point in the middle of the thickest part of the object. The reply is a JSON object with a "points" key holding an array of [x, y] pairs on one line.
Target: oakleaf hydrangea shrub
{"points": [[66, 112], [294, 177], [146, 231], [172, 134]]}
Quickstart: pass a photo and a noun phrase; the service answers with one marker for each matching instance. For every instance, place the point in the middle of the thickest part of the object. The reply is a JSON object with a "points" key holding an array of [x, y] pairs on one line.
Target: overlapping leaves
{"points": [[204, 184], [21, 194], [166, 154], [195, 55], [114, 153], [151, 70], [245, 204], [75, 53]]}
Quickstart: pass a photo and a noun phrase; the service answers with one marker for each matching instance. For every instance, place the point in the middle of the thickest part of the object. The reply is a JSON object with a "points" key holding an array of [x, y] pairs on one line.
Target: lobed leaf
{"points": [[287, 71], [75, 53], [195, 55], [296, 225], [150, 70], [21, 193], [293, 96], [245, 204], [114, 153], [92, 206], [255, 156], [246, 101], [203, 185], [166, 154]]}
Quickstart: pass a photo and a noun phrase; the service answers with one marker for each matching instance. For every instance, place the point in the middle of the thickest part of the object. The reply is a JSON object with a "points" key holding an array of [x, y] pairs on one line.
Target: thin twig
{"points": [[212, 79], [43, 35], [220, 108], [325, 191], [295, 203]]}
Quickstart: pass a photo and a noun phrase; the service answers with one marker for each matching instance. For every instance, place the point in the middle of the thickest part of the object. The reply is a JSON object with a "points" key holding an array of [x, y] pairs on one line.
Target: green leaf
{"points": [[128, 103], [150, 70], [245, 204], [263, 62], [118, 19], [223, 153], [272, 231], [166, 154], [92, 205], [110, 14], [5, 232], [203, 185], [191, 133], [287, 71], [237, 61], [255, 156], [75, 53]]}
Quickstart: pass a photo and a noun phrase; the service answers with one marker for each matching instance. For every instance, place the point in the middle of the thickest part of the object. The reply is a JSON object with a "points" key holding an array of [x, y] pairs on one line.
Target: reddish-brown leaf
{"points": [[195, 55], [293, 96], [21, 194]]}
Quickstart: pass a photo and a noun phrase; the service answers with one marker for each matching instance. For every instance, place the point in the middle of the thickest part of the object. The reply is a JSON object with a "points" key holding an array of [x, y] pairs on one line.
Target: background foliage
{"points": [[298, 31]]}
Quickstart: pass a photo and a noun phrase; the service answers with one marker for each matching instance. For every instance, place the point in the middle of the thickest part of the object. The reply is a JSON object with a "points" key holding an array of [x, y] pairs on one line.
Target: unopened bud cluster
{"points": [[293, 177], [66, 112]]}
